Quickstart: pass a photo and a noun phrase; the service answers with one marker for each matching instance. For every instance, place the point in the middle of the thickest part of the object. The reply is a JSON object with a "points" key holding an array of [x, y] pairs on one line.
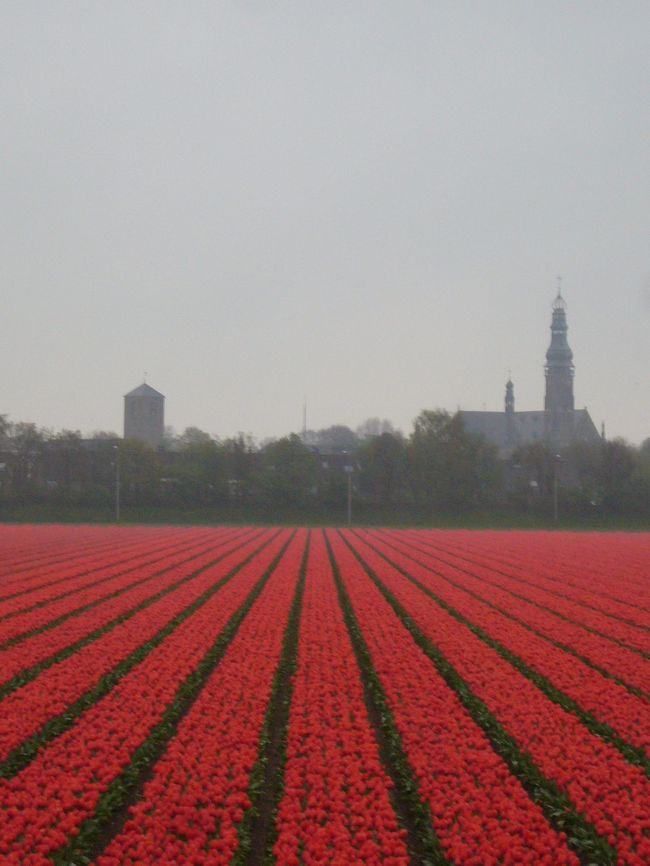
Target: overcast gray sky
{"points": [[363, 203]]}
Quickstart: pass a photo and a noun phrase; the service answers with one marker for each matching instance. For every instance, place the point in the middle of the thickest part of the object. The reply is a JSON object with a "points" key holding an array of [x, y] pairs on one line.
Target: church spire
{"points": [[558, 403]]}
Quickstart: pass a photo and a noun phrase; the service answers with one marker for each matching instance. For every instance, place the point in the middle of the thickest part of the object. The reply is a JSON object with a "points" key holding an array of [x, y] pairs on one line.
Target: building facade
{"points": [[559, 424], [144, 415]]}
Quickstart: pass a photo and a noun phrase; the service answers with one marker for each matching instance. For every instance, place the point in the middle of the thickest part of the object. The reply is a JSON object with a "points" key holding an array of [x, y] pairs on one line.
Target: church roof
{"points": [[506, 431], [144, 390], [509, 431], [585, 427], [491, 425]]}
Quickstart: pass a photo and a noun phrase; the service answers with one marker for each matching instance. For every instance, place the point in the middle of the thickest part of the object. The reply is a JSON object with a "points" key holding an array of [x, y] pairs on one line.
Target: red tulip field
{"points": [[242, 695]]}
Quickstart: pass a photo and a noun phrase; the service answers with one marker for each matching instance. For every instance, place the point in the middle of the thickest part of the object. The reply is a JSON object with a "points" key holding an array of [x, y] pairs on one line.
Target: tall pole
{"points": [[349, 498], [117, 483], [349, 469], [556, 461]]}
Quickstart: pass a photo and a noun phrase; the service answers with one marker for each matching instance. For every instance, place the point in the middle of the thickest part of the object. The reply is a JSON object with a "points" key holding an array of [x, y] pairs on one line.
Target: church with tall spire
{"points": [[559, 424], [558, 401]]}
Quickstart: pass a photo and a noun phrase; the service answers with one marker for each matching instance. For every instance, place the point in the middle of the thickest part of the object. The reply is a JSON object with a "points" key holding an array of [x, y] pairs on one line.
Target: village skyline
{"points": [[361, 205]]}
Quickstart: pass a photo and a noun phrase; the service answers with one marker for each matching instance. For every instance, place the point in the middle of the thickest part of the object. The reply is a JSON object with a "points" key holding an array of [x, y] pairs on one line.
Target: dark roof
{"points": [[585, 427], [508, 432], [505, 431], [144, 390], [490, 425]]}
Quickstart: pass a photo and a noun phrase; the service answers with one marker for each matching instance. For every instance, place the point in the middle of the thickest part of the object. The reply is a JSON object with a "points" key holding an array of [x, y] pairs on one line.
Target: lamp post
{"points": [[556, 462], [117, 483], [349, 470]]}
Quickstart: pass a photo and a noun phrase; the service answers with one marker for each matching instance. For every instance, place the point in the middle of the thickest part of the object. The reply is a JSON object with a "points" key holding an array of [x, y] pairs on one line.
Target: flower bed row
{"points": [[613, 795], [191, 808], [75, 782], [474, 801], [606, 567], [627, 665], [336, 807], [24, 712], [31, 547], [45, 645], [609, 702], [82, 561], [573, 578], [24, 627], [602, 620], [96, 572]]}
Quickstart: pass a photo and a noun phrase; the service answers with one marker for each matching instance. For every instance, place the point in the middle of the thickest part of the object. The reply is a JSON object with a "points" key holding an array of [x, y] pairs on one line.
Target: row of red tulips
{"points": [[24, 712], [612, 794], [597, 615], [46, 803], [53, 571], [98, 572], [596, 575], [336, 807], [600, 565], [75, 622], [28, 546], [121, 579], [608, 701], [632, 668], [476, 804], [191, 808], [36, 648]]}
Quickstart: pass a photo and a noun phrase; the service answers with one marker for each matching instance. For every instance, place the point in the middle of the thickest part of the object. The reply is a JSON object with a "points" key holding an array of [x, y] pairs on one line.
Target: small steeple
{"points": [[510, 397]]}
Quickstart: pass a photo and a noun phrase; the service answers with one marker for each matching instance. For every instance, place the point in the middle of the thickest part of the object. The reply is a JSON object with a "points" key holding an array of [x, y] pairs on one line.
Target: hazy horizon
{"points": [[361, 205]]}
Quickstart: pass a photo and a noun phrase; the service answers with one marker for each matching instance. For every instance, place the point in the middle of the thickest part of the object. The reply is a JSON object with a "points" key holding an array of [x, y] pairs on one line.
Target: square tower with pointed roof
{"points": [[144, 415]]}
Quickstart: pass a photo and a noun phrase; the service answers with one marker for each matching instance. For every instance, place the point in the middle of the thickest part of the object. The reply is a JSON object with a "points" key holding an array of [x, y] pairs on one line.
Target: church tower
{"points": [[559, 424], [144, 415], [558, 402]]}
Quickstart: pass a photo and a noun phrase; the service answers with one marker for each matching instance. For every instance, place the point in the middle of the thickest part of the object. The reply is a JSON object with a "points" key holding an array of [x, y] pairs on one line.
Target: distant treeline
{"points": [[438, 468]]}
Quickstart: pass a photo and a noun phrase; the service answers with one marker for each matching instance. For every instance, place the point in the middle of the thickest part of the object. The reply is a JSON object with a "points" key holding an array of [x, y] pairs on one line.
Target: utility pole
{"points": [[556, 463], [117, 483], [349, 470]]}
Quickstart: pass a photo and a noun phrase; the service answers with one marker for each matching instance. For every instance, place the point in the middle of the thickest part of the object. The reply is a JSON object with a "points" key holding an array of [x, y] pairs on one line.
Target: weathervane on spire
{"points": [[559, 303]]}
